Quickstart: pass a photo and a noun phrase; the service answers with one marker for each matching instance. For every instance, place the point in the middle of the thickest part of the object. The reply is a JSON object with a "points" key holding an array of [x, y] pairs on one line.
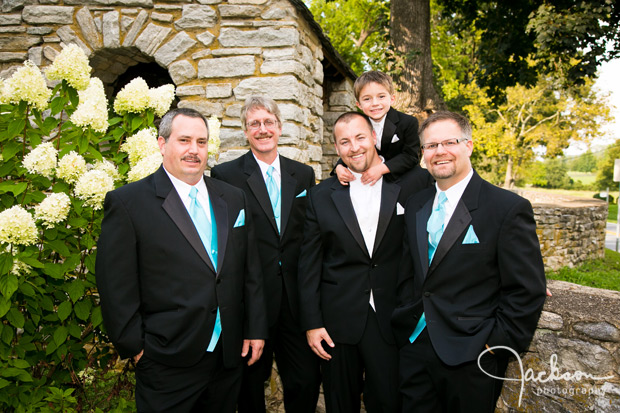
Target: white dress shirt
{"points": [[378, 128], [453, 195], [183, 189], [366, 200], [277, 175]]}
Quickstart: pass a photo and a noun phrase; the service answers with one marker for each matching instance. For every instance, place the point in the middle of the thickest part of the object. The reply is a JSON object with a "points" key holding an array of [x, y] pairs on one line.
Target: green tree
{"points": [[586, 162], [605, 177]]}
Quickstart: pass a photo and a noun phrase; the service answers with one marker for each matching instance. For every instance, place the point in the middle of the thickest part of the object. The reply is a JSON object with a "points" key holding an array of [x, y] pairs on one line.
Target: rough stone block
{"points": [[196, 17], [68, 36], [182, 72], [151, 38], [18, 42], [550, 321], [205, 38], [228, 10], [135, 29], [599, 331], [170, 51], [48, 14], [10, 19], [111, 30], [193, 90], [226, 67], [280, 88], [231, 138], [219, 90], [263, 37], [206, 108]]}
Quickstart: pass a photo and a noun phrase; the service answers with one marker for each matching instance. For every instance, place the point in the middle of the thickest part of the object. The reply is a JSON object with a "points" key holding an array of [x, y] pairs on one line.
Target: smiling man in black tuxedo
{"points": [[276, 189], [348, 273], [179, 278], [471, 279]]}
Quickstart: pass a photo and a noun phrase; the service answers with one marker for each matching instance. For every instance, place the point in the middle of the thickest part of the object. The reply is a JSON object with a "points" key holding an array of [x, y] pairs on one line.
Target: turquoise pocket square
{"points": [[471, 237], [301, 194], [240, 219]]}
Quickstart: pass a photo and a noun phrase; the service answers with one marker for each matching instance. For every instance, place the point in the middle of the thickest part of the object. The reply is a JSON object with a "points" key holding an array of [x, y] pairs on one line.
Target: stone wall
{"points": [[216, 52], [571, 230], [574, 357]]}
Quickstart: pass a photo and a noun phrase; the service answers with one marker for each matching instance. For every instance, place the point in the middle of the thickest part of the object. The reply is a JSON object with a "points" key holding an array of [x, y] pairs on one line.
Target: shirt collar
{"points": [[183, 188], [455, 192], [264, 166]]}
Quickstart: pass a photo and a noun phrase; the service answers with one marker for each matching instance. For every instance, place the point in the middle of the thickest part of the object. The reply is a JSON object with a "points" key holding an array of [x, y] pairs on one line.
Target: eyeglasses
{"points": [[268, 123], [447, 144]]}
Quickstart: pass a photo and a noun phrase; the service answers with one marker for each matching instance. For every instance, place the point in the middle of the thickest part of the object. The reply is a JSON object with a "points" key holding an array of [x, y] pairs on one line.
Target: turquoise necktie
{"points": [[274, 195], [208, 236], [435, 227]]}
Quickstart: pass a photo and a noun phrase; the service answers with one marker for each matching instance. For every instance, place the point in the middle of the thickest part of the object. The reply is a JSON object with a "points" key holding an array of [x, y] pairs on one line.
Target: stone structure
{"points": [[216, 52], [574, 357], [571, 230]]}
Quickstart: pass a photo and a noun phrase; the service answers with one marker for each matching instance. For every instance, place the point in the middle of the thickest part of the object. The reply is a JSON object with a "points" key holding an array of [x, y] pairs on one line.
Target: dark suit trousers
{"points": [[204, 387], [298, 367], [429, 385], [369, 368]]}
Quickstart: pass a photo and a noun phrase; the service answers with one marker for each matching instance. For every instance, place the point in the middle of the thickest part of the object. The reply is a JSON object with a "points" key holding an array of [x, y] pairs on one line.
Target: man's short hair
{"points": [[457, 118], [259, 102], [165, 126], [373, 76], [348, 117]]}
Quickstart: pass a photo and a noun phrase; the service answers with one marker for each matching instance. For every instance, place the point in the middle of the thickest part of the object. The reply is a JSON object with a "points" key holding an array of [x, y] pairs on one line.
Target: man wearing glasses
{"points": [[276, 189], [470, 282]]}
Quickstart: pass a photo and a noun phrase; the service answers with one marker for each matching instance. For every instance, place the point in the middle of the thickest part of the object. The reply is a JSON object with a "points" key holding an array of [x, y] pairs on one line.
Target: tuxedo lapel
{"points": [[178, 213], [421, 218], [342, 200], [389, 197], [256, 182], [220, 210], [287, 193]]}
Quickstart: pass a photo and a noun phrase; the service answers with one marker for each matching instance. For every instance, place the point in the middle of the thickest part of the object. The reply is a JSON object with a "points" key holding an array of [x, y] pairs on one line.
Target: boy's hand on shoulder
{"points": [[373, 174], [344, 175]]}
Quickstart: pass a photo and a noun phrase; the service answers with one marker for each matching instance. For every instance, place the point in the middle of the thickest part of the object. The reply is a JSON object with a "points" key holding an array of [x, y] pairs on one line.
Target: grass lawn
{"points": [[586, 178], [613, 213], [603, 273]]}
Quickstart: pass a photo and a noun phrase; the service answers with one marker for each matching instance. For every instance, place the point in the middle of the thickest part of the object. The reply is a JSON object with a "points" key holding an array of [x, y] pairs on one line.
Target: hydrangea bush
{"points": [[61, 151]]}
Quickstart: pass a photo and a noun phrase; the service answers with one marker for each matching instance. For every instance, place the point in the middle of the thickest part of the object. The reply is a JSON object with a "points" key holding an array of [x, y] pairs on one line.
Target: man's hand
{"points": [[315, 337], [374, 173], [138, 356], [344, 175], [257, 350]]}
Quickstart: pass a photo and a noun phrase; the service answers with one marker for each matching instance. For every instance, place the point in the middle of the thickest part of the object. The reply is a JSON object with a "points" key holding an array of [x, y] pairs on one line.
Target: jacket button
{"points": [[374, 265], [219, 280]]}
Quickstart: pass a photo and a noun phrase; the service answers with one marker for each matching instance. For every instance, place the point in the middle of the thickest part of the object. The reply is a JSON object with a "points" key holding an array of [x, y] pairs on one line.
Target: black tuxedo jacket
{"points": [[336, 272], [491, 292], [402, 155], [159, 290], [297, 179]]}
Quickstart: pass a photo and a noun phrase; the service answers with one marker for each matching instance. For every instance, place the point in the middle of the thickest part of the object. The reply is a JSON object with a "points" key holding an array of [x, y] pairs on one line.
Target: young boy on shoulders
{"points": [[397, 133]]}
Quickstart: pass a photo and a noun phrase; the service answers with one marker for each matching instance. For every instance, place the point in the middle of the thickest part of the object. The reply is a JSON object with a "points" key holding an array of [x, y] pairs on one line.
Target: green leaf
{"points": [[15, 187], [7, 334], [16, 127], [60, 247], [15, 317], [27, 289], [76, 290], [82, 309], [77, 222], [82, 144], [9, 150], [90, 261], [24, 376], [11, 372], [32, 262], [5, 305], [4, 383], [53, 270], [75, 330], [51, 347], [96, 317], [19, 363], [136, 122], [64, 310], [60, 335], [8, 285], [6, 263]]}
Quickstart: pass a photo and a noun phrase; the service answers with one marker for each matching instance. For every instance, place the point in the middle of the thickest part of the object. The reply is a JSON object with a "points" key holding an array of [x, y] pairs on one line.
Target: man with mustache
{"points": [[471, 279], [276, 189], [178, 275], [348, 272]]}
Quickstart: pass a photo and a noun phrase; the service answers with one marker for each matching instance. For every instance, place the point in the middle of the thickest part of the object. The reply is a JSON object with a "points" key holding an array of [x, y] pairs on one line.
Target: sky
{"points": [[607, 82]]}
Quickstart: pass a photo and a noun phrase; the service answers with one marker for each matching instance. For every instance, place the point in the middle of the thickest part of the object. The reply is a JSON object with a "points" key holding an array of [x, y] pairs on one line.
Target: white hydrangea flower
{"points": [[20, 268], [71, 65], [161, 98], [41, 160], [92, 187], [17, 226], [109, 168], [53, 209], [133, 97], [145, 167], [93, 107], [71, 167], [214, 135], [141, 145], [27, 84]]}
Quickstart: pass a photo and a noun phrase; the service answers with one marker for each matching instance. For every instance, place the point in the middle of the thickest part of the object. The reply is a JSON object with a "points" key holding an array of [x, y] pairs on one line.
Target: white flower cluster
{"points": [[109, 168], [141, 145], [133, 97], [214, 135], [71, 64], [54, 209], [92, 187], [20, 268], [17, 226], [145, 167], [136, 97], [27, 84], [161, 98], [41, 160], [93, 107], [70, 167]]}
